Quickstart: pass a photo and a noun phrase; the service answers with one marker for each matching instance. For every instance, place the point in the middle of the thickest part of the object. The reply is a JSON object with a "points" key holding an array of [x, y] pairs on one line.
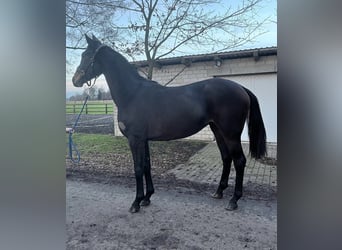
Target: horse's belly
{"points": [[180, 127]]}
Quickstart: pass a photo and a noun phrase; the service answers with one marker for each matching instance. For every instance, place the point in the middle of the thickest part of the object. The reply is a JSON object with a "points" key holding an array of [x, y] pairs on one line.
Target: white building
{"points": [[255, 69]]}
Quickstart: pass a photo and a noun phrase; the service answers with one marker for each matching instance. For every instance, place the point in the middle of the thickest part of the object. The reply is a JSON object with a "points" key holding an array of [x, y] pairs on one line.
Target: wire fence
{"points": [[95, 124]]}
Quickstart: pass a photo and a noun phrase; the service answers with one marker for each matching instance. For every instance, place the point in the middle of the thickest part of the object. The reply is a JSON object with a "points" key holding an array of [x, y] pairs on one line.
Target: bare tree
{"points": [[168, 26], [94, 94], [102, 18], [99, 17], [89, 16], [160, 28]]}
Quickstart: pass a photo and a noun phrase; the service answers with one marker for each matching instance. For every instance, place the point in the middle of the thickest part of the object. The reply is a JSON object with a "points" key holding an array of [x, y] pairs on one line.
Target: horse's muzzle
{"points": [[76, 79]]}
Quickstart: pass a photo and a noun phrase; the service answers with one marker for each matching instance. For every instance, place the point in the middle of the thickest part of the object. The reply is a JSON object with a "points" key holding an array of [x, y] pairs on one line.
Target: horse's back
{"points": [[213, 96], [212, 91]]}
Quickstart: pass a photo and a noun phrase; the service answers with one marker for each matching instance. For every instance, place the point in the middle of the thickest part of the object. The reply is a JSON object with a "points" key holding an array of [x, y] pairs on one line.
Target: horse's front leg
{"points": [[148, 178], [138, 152]]}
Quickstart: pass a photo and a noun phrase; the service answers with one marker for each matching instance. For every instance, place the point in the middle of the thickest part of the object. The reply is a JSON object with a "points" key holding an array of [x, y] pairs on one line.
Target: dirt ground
{"points": [[164, 156], [178, 218], [182, 215]]}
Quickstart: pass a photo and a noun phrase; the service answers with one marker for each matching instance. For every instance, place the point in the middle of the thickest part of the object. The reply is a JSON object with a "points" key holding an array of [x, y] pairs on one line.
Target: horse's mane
{"points": [[128, 67]]}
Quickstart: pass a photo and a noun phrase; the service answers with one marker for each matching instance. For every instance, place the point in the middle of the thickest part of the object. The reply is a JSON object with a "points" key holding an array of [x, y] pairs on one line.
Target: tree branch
{"points": [[75, 48]]}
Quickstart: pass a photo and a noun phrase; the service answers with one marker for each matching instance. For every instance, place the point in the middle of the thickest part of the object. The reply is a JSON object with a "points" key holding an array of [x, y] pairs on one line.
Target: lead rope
{"points": [[72, 145]]}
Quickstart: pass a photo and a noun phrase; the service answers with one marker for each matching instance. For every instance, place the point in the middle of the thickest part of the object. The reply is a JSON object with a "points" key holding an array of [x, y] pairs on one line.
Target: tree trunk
{"points": [[150, 70]]}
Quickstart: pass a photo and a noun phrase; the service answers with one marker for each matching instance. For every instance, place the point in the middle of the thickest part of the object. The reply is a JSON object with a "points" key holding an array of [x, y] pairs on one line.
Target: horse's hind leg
{"points": [[148, 178], [226, 159], [239, 159]]}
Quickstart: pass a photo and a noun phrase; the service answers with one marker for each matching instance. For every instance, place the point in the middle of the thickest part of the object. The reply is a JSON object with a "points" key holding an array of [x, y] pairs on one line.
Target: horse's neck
{"points": [[121, 82]]}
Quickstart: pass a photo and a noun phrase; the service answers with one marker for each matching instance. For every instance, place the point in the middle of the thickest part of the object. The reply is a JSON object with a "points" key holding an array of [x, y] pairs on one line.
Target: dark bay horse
{"points": [[150, 111]]}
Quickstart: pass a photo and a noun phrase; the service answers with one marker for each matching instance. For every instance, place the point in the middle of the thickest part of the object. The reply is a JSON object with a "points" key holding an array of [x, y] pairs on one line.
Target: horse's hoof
{"points": [[217, 195], [145, 203], [134, 209], [232, 206]]}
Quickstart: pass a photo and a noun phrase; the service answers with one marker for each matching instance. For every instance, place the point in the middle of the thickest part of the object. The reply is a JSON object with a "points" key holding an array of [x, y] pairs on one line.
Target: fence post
{"points": [[106, 109], [86, 108]]}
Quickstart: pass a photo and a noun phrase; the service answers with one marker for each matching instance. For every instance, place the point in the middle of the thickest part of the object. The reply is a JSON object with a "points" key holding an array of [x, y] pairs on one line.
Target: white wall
{"points": [[264, 86]]}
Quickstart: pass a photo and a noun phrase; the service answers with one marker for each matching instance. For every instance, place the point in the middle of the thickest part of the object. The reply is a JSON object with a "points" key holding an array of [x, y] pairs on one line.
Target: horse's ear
{"points": [[89, 41], [95, 39]]}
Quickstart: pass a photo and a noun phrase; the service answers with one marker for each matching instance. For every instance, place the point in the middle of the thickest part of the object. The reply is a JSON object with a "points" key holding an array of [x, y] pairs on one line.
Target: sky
{"points": [[267, 39]]}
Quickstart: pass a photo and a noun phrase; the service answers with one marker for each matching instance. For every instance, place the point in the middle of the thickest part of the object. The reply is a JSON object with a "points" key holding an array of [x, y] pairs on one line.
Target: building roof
{"points": [[256, 52]]}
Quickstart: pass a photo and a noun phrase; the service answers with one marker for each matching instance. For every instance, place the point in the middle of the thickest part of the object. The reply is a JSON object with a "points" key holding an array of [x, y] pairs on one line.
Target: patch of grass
{"points": [[100, 144], [103, 144]]}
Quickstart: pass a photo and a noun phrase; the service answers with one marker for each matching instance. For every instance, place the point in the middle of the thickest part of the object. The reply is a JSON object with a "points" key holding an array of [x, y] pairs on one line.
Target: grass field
{"points": [[103, 144], [92, 107], [99, 143]]}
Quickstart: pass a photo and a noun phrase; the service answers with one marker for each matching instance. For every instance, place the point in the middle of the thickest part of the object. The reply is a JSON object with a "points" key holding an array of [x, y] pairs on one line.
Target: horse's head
{"points": [[88, 68]]}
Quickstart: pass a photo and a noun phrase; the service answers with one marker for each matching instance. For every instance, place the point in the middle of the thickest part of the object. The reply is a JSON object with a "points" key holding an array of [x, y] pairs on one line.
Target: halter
{"points": [[91, 64]]}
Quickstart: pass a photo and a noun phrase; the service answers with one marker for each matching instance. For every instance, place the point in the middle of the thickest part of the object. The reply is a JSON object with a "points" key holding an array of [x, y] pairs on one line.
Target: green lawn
{"points": [[99, 143], [103, 144]]}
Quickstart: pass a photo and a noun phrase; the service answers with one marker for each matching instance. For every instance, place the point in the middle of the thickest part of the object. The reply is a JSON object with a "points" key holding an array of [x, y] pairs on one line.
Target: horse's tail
{"points": [[256, 128]]}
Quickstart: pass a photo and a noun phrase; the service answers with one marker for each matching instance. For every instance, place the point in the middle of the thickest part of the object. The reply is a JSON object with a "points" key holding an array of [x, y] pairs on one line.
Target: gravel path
{"points": [[178, 218]]}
